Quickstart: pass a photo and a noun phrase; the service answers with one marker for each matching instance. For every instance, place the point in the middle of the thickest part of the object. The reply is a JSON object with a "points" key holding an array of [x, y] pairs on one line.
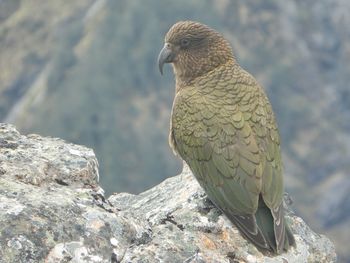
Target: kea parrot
{"points": [[223, 127]]}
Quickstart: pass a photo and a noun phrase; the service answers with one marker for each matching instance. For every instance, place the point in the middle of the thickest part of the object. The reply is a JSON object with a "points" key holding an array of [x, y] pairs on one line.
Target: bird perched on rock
{"points": [[223, 126]]}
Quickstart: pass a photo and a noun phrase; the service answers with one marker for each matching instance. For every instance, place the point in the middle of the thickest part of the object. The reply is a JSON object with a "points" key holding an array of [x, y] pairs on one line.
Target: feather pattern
{"points": [[223, 126]]}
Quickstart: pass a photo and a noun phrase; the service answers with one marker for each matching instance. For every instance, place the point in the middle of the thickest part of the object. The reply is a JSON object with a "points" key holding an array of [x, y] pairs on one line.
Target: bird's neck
{"points": [[188, 77]]}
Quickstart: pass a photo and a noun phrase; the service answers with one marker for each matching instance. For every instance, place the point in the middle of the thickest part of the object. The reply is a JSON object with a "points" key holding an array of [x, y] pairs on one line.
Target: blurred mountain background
{"points": [[86, 71]]}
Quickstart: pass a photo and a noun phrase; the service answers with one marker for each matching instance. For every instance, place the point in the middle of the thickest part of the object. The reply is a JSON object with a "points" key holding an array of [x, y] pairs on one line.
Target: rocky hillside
{"points": [[53, 210], [86, 71]]}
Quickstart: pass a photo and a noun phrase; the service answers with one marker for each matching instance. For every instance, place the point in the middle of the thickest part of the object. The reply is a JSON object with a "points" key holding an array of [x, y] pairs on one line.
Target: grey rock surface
{"points": [[53, 210]]}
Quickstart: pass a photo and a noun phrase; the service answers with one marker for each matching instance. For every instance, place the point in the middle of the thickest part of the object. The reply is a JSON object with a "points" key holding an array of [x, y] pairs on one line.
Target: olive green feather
{"points": [[223, 126]]}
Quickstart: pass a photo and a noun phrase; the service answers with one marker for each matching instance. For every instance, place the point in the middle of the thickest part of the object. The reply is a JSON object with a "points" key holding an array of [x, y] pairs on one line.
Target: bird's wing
{"points": [[264, 126], [258, 113], [219, 146]]}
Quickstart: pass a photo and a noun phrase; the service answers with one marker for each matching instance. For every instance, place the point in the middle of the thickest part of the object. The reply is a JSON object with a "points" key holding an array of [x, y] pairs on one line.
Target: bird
{"points": [[222, 125]]}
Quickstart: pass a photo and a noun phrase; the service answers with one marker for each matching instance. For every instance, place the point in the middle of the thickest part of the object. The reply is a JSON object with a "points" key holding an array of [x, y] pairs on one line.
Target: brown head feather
{"points": [[199, 49]]}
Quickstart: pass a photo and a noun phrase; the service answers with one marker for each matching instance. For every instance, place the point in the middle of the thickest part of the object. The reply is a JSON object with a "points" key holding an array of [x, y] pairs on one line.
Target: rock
{"points": [[53, 210], [186, 227]]}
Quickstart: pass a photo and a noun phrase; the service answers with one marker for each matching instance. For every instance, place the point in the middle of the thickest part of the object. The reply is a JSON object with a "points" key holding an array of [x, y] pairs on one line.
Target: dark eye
{"points": [[184, 42]]}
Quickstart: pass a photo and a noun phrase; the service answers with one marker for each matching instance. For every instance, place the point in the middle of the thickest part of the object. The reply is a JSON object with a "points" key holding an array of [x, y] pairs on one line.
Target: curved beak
{"points": [[166, 55]]}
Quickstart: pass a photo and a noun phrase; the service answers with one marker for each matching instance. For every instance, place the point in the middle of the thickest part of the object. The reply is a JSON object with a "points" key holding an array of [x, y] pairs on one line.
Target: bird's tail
{"points": [[275, 229], [270, 234]]}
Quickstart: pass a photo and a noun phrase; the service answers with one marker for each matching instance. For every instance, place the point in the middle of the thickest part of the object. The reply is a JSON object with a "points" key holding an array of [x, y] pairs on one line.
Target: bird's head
{"points": [[194, 49]]}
